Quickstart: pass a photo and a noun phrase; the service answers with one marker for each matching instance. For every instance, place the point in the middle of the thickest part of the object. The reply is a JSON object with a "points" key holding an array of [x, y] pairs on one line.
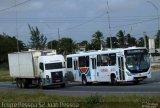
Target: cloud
{"points": [[67, 15]]}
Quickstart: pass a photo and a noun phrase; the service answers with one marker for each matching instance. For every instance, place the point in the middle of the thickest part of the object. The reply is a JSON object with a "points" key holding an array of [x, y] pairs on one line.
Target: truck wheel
{"points": [[84, 80], [24, 83], [19, 84], [41, 86]]}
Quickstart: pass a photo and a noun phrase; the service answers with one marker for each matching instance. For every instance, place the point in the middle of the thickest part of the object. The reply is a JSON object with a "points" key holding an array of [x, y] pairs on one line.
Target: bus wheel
{"points": [[113, 80], [84, 80], [136, 82]]}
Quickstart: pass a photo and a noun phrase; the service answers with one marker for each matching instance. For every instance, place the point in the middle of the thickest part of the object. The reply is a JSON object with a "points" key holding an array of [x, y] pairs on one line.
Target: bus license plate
{"points": [[58, 80], [140, 78]]}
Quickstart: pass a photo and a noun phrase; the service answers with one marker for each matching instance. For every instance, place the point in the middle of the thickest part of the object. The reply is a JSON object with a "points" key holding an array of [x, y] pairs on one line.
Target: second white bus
{"points": [[114, 66]]}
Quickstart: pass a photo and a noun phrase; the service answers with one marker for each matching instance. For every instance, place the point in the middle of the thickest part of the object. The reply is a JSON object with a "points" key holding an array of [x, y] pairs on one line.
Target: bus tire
{"points": [[113, 80], [135, 82], [84, 80]]}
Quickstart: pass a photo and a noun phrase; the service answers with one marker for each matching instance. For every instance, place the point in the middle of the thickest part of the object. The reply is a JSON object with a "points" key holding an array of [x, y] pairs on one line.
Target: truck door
{"points": [[121, 68]]}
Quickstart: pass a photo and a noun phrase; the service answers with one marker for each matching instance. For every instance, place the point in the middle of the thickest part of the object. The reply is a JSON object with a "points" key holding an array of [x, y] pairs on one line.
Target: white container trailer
{"points": [[29, 68]]}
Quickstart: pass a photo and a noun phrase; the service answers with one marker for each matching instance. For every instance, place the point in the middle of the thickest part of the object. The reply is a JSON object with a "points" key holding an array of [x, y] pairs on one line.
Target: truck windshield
{"points": [[50, 66], [137, 61]]}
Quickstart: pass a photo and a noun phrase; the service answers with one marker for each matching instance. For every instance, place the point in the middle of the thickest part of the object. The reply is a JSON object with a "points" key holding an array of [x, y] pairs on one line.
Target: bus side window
{"points": [[69, 62], [104, 59], [98, 60], [87, 61], [82, 61], [112, 59]]}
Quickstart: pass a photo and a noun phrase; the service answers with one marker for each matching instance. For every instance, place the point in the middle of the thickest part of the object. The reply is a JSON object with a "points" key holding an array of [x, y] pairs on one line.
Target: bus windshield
{"points": [[137, 60], [50, 66]]}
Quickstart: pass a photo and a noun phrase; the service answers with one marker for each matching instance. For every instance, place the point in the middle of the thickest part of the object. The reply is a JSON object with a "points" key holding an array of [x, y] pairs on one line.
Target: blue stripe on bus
{"points": [[88, 73]]}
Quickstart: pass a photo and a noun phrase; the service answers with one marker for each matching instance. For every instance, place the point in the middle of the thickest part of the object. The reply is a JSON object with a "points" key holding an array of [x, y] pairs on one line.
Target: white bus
{"points": [[114, 66]]}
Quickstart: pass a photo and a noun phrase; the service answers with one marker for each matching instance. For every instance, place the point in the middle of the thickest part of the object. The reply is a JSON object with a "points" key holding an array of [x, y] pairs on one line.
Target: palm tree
{"points": [[121, 38], [97, 39], [140, 42], [53, 44], [130, 41], [114, 42], [66, 46]]}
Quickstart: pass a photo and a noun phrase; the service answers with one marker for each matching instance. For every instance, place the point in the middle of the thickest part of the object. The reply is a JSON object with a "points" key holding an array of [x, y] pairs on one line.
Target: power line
{"points": [[14, 5], [72, 20], [135, 23]]}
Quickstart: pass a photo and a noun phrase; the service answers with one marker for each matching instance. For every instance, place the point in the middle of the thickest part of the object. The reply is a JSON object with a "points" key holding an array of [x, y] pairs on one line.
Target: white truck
{"points": [[34, 68]]}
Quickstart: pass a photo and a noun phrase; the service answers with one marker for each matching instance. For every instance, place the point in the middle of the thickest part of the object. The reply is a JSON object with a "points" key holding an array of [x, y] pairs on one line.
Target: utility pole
{"points": [[59, 35], [109, 25], [157, 9], [16, 25], [51, 44], [145, 43]]}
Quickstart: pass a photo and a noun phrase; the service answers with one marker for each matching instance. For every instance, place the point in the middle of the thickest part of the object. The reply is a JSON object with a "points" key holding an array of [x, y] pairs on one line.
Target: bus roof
{"points": [[117, 50]]}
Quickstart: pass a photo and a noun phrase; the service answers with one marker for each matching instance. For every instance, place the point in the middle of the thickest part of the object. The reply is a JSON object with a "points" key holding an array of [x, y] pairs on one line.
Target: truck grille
{"points": [[57, 77]]}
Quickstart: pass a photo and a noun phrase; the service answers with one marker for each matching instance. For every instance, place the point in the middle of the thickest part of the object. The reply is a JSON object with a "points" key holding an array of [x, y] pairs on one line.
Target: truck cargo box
{"points": [[23, 64]]}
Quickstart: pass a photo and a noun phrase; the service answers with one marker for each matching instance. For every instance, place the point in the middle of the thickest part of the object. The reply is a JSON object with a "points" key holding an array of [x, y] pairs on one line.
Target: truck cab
{"points": [[51, 70]]}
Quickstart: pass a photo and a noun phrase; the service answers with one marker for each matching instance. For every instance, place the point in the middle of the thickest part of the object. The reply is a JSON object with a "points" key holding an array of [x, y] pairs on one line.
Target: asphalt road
{"points": [[149, 87]]}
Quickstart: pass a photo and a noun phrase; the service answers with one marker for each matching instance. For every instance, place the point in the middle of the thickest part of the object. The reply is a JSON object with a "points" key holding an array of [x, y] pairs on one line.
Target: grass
{"points": [[4, 75], [156, 67], [93, 101]]}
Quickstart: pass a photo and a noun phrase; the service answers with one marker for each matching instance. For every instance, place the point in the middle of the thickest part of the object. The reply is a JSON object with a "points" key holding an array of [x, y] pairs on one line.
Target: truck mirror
{"points": [[41, 66]]}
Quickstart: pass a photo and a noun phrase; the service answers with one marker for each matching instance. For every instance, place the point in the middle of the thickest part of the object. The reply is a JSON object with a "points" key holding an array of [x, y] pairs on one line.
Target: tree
{"points": [[38, 40], [97, 39], [66, 46], [157, 40], [130, 41], [8, 44], [121, 39], [85, 44], [53, 44], [114, 42], [140, 42]]}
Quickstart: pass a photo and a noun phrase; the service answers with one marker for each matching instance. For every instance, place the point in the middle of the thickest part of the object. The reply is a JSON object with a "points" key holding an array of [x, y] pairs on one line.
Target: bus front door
{"points": [[121, 68]]}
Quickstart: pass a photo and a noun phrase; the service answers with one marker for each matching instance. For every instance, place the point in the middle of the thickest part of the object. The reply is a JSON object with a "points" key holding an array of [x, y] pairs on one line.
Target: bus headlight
{"points": [[128, 73], [149, 72]]}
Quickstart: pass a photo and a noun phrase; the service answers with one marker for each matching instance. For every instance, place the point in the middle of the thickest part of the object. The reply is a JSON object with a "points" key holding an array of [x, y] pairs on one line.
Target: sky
{"points": [[79, 19]]}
